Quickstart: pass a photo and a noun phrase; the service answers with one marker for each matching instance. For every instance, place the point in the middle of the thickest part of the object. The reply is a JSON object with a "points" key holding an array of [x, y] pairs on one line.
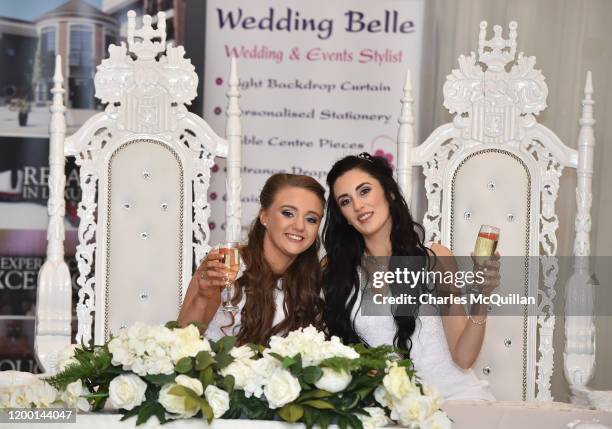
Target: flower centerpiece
{"points": [[174, 373]]}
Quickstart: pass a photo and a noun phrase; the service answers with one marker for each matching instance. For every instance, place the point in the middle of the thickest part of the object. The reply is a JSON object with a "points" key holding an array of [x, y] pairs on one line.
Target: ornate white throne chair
{"points": [[495, 164], [144, 170]]}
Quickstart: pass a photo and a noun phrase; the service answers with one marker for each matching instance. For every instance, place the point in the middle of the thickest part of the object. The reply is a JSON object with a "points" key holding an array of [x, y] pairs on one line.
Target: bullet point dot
{"points": [[215, 168], [218, 110], [212, 225], [213, 196], [219, 81]]}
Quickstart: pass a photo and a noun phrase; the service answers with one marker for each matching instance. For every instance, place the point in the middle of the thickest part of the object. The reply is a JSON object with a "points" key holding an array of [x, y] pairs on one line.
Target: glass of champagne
{"points": [[486, 243], [230, 257]]}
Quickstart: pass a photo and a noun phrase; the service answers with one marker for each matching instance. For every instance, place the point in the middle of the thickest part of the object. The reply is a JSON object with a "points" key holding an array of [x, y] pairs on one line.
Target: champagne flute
{"points": [[230, 257], [486, 243]]}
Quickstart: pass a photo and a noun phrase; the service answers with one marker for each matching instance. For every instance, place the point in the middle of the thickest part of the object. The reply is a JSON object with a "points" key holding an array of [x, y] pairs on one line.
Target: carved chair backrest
{"points": [[145, 169], [495, 164]]}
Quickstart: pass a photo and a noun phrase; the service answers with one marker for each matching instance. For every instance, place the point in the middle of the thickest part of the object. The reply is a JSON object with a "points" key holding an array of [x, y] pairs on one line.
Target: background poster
{"points": [[318, 80]]}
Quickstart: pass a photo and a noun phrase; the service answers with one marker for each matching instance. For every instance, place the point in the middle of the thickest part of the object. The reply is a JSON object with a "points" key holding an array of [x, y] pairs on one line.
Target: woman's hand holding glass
{"points": [[213, 275], [491, 274]]}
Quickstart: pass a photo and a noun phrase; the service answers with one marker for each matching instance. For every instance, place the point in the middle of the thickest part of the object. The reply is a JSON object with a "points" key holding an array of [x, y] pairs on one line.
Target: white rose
{"points": [[377, 418], [281, 389], [127, 391], [333, 381], [41, 394], [217, 399], [397, 382], [176, 404], [188, 343], [412, 409], [242, 372], [73, 396], [383, 397], [190, 383], [438, 420]]}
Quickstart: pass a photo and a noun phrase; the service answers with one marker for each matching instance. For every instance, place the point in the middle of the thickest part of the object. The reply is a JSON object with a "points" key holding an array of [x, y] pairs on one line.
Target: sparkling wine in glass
{"points": [[486, 243], [230, 257]]}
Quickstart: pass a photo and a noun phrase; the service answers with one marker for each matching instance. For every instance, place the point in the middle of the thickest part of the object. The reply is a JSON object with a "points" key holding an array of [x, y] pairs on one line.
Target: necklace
{"points": [[373, 260]]}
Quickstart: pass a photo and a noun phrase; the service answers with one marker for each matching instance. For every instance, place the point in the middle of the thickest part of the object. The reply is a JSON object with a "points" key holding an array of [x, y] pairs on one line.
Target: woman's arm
{"points": [[465, 334], [204, 292]]}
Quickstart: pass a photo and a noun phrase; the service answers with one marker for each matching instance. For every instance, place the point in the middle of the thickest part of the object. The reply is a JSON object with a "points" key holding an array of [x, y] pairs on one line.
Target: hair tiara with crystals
{"points": [[365, 156]]}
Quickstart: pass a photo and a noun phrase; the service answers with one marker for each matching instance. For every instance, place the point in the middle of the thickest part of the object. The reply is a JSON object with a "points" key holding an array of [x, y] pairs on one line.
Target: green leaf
{"points": [[228, 383], [341, 363], [223, 359], [316, 393], [291, 412], [172, 324], [342, 422], [311, 374], [323, 420], [277, 356], [207, 411], [365, 391], [184, 365], [319, 404], [347, 402], [310, 416], [203, 359], [160, 379], [183, 391], [252, 408], [288, 361], [296, 367], [130, 413], [354, 421], [225, 344], [207, 376], [149, 409]]}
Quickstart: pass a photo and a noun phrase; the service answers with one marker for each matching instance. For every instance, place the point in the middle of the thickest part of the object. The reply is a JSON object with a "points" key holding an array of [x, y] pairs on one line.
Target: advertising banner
{"points": [[318, 80]]}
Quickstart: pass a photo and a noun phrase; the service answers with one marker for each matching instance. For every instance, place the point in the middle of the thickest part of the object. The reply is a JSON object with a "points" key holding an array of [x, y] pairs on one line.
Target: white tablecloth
{"points": [[465, 415]]}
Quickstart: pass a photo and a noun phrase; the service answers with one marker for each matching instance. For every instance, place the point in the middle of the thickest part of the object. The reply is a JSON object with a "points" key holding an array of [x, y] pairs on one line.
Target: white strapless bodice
{"points": [[430, 354]]}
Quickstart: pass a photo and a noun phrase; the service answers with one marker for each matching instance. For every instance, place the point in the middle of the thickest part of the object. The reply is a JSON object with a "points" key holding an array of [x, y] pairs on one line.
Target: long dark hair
{"points": [[301, 281], [345, 247]]}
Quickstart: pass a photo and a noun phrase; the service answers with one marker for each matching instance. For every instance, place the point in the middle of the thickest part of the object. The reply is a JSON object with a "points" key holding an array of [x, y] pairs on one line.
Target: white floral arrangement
{"points": [[175, 373]]}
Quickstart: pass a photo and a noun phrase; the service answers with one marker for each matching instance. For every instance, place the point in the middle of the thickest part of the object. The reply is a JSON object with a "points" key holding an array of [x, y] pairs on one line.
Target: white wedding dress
{"points": [[222, 324], [430, 355]]}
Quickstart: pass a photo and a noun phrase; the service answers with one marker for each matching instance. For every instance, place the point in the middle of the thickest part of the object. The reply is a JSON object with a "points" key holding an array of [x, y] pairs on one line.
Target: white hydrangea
{"points": [[312, 346], [155, 349]]}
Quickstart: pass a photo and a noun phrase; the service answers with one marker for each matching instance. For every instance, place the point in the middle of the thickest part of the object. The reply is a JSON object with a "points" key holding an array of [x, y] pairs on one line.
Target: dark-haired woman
{"points": [[278, 289], [368, 216]]}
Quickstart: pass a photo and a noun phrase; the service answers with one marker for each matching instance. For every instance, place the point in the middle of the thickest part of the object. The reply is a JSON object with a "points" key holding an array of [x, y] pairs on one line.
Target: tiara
{"points": [[365, 156]]}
